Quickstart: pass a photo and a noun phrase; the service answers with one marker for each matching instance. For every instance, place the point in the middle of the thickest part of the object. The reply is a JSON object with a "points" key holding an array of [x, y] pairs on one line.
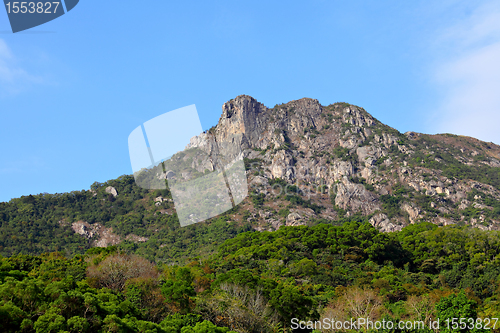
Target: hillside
{"points": [[347, 163], [260, 281], [306, 164], [347, 218]]}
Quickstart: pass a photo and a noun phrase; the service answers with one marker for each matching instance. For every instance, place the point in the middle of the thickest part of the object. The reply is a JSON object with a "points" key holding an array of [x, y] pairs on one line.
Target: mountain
{"points": [[347, 162], [300, 254], [306, 164]]}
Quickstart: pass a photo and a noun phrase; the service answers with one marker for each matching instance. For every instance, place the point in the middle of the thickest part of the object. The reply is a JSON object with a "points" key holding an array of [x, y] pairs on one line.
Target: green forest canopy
{"points": [[258, 281]]}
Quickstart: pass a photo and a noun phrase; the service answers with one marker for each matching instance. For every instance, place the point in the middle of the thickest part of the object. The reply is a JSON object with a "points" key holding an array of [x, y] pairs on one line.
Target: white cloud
{"points": [[13, 78], [468, 75]]}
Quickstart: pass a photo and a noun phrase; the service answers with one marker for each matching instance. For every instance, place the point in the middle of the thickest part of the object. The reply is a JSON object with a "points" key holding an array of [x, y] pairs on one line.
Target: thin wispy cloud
{"points": [[468, 75], [13, 78]]}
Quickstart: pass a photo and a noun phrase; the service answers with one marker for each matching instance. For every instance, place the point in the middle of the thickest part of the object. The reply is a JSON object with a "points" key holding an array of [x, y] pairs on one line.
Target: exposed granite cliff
{"points": [[346, 162]]}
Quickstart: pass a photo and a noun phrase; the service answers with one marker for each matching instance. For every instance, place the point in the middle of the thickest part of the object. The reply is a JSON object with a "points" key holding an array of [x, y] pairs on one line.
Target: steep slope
{"points": [[306, 164], [340, 152]]}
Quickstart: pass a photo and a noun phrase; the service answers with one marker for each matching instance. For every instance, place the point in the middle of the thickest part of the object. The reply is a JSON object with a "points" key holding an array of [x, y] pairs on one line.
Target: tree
{"points": [[116, 269], [179, 289], [205, 327], [455, 306], [78, 324], [10, 317], [50, 322], [354, 302], [145, 294], [290, 302]]}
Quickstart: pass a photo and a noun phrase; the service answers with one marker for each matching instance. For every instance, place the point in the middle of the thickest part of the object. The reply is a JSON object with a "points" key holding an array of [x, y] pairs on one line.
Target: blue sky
{"points": [[72, 90]]}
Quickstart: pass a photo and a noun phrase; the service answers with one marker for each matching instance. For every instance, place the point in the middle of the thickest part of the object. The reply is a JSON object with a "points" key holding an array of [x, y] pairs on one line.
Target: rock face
{"points": [[100, 236], [85, 229], [412, 211], [294, 219], [340, 157], [307, 163], [383, 223], [356, 198]]}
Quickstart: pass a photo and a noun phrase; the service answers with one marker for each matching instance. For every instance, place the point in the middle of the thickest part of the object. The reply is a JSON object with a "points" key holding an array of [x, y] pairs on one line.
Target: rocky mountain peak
{"points": [[361, 165]]}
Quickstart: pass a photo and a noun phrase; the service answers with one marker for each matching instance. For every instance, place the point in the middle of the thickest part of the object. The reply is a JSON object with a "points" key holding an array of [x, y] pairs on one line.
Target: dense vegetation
{"points": [[41, 223], [259, 281], [219, 276]]}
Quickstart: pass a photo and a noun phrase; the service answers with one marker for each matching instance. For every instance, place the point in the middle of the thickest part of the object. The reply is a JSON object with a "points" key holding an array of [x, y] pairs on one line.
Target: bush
{"points": [[114, 271]]}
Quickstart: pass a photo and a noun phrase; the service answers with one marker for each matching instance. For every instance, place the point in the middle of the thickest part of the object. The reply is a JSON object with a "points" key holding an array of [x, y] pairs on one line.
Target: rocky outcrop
{"points": [[85, 229], [159, 200], [294, 219], [354, 197], [106, 238], [412, 211], [100, 236], [381, 222], [111, 190], [136, 239], [341, 153]]}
